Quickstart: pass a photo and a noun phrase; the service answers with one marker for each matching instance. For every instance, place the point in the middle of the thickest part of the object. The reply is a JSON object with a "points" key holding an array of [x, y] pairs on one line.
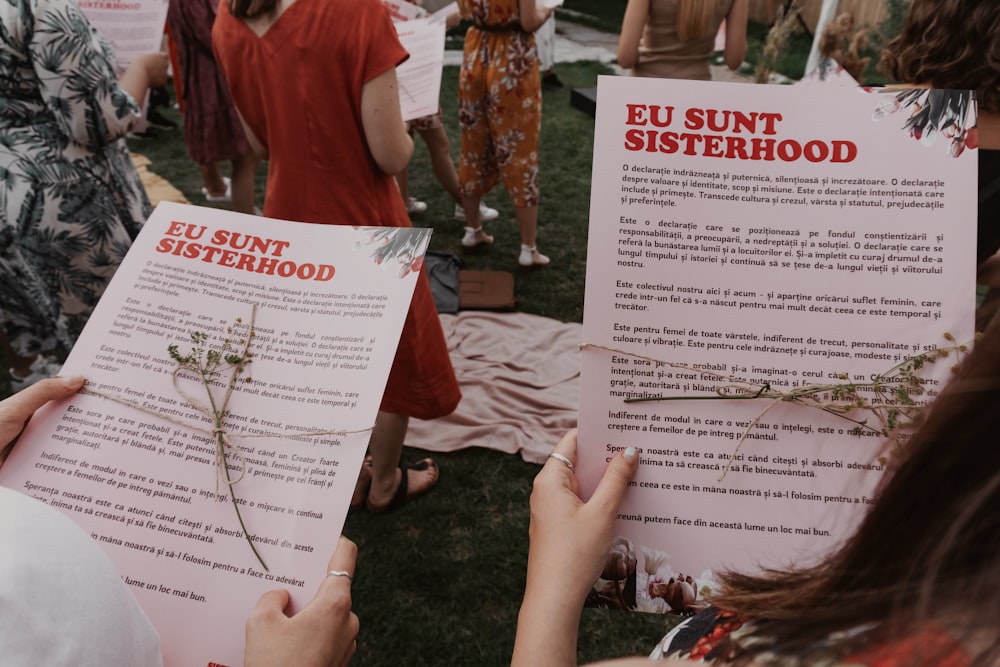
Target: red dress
{"points": [[298, 88]]}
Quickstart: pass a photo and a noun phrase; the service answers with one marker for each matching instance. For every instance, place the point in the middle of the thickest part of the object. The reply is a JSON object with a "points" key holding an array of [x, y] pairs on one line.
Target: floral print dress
{"points": [[71, 201], [712, 635], [499, 103]]}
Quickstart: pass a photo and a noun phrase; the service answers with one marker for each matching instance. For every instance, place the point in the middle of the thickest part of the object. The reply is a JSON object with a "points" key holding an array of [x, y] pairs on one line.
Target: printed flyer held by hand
{"points": [[132, 28], [316, 311], [778, 278], [420, 75]]}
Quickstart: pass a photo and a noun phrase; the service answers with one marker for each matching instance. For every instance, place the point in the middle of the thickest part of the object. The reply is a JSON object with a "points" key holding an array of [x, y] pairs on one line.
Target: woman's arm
{"points": [[382, 120], [569, 543], [146, 71], [736, 33], [532, 16], [633, 24]]}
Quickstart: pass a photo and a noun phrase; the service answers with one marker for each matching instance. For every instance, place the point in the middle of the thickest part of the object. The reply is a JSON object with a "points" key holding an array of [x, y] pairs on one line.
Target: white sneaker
{"points": [[415, 206], [476, 236], [43, 367], [531, 257], [485, 213], [226, 196]]}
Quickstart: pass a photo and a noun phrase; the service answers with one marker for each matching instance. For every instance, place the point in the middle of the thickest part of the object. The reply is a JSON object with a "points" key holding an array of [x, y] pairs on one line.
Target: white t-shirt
{"points": [[61, 600]]}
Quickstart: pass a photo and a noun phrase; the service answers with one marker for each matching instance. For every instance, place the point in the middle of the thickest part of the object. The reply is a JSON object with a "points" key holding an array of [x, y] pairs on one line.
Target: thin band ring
{"points": [[340, 573], [562, 459]]}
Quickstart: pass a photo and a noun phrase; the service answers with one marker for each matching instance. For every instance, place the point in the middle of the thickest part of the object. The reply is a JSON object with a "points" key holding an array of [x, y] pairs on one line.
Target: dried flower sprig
{"points": [[894, 409], [208, 366]]}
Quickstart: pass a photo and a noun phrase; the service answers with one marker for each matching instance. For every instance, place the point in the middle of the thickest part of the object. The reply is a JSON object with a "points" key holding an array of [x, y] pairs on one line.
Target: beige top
{"points": [[663, 54]]}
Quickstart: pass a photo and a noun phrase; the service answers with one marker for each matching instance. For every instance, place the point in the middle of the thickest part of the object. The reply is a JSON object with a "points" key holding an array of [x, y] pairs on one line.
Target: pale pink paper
{"points": [[132, 28], [674, 528], [420, 75], [305, 377]]}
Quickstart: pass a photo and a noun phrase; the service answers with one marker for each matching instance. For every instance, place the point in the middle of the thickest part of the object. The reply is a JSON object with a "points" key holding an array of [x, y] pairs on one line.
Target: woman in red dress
{"points": [[315, 84]]}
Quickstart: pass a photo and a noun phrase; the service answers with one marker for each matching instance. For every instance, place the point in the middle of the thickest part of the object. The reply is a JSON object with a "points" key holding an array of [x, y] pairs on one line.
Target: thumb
{"points": [[619, 473], [35, 396]]}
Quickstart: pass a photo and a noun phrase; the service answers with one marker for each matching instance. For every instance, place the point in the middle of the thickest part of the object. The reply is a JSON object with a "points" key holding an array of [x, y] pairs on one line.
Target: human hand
{"points": [[323, 634], [570, 539], [569, 543], [15, 410]]}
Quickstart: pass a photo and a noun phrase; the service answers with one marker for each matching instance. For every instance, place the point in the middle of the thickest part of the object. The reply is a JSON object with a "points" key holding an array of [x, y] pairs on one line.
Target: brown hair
{"points": [[949, 44], [247, 9], [695, 19], [927, 554]]}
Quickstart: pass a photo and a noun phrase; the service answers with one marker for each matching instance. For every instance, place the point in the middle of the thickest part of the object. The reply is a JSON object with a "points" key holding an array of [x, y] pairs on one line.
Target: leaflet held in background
{"points": [[769, 239], [133, 457], [420, 75], [132, 27]]}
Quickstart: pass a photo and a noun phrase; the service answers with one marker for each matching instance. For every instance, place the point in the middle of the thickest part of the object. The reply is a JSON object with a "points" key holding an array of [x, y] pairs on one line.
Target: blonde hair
{"points": [[695, 19]]}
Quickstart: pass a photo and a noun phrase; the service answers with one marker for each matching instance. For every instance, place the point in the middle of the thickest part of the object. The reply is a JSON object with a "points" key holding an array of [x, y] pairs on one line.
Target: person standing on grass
{"points": [[315, 83], [431, 130], [212, 129], [500, 115]]}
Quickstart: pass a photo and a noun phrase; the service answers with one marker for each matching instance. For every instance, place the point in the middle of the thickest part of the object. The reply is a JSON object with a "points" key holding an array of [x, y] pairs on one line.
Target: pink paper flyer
{"points": [[318, 309], [760, 256]]}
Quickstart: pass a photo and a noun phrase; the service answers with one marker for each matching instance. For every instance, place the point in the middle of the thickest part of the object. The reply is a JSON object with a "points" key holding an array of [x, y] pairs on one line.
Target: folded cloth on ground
{"points": [[520, 381]]}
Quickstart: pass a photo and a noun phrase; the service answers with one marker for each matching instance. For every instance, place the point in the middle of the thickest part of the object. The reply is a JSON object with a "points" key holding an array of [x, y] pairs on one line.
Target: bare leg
{"points": [[244, 175], [403, 181], [444, 168], [211, 178], [474, 234], [386, 447], [527, 224]]}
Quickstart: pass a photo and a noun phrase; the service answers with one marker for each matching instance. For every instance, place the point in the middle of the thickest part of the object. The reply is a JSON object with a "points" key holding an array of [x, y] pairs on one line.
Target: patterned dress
{"points": [[711, 637], [499, 103], [71, 202], [212, 130]]}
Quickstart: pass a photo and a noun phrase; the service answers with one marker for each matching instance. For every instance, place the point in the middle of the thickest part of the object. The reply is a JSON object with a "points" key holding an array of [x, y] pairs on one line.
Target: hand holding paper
{"points": [[17, 409], [135, 457], [323, 634], [569, 546]]}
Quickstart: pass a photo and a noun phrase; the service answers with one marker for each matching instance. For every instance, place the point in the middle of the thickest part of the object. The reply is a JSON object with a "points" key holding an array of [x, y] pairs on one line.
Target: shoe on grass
{"points": [[415, 206], [225, 197], [531, 257], [485, 213], [155, 119]]}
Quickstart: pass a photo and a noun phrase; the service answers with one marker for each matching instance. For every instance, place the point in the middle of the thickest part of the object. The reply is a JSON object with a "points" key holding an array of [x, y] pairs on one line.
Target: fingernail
{"points": [[75, 381], [629, 453]]}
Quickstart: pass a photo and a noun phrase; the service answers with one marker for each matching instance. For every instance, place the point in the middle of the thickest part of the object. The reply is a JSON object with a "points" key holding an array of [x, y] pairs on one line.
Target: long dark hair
{"points": [[926, 555], [247, 9], [949, 44]]}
